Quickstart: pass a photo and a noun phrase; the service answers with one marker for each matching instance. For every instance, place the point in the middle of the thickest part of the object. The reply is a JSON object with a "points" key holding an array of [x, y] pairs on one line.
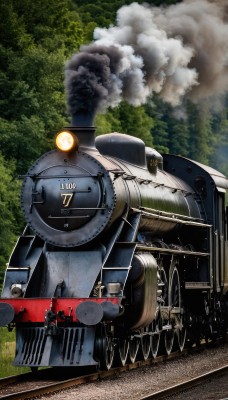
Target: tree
{"points": [[157, 110], [126, 119], [36, 39], [10, 216], [134, 121], [201, 136], [219, 156], [108, 122], [103, 13]]}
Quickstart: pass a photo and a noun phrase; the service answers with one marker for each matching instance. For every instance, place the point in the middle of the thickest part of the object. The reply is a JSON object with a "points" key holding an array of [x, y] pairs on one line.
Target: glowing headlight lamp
{"points": [[66, 141]]}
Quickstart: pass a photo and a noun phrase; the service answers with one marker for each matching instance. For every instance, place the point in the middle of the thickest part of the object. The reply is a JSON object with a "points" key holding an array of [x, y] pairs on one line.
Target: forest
{"points": [[36, 40]]}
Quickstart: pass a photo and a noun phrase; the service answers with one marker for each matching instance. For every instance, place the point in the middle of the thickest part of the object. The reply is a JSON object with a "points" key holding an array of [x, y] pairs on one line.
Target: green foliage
{"points": [[103, 12], [10, 216], [106, 123], [171, 134], [51, 24], [202, 138], [36, 39], [157, 110], [219, 156], [7, 354], [126, 119], [192, 131], [13, 35]]}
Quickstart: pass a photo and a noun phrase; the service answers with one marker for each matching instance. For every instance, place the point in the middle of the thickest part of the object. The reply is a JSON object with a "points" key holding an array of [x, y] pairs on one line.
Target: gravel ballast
{"points": [[143, 381]]}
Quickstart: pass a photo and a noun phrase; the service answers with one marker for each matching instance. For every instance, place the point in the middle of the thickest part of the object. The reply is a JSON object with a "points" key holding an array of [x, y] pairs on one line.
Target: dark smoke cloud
{"points": [[90, 77], [176, 51]]}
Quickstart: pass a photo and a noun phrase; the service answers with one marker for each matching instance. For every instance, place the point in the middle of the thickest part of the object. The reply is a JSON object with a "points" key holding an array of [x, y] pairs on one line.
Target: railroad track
{"points": [[44, 382], [42, 388], [174, 390]]}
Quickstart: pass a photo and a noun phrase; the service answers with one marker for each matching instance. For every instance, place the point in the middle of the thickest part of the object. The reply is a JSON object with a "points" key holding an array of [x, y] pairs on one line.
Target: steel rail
{"points": [[14, 379], [65, 384], [79, 380], [173, 390]]}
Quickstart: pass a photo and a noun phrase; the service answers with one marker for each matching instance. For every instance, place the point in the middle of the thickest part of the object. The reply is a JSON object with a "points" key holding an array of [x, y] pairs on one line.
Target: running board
{"points": [[172, 251]]}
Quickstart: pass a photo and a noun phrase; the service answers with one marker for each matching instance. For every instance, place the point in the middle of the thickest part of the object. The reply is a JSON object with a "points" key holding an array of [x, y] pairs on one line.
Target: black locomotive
{"points": [[124, 250]]}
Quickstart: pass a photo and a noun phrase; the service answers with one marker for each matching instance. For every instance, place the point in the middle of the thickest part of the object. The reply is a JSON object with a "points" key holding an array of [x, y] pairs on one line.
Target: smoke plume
{"points": [[178, 51]]}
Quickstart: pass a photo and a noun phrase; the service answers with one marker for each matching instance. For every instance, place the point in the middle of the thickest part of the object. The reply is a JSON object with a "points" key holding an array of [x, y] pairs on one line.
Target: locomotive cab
{"points": [[210, 187]]}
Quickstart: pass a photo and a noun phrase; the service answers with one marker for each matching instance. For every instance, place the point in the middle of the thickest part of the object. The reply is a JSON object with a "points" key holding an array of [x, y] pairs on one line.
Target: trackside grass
{"points": [[7, 351]]}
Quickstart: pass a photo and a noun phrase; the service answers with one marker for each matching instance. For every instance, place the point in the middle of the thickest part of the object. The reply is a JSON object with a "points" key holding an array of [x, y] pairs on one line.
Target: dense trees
{"points": [[36, 39], [190, 130], [126, 119], [103, 13], [10, 216]]}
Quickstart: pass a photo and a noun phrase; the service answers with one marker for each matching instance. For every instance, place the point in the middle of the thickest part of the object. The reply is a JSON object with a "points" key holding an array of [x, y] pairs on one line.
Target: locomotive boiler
{"points": [[124, 252]]}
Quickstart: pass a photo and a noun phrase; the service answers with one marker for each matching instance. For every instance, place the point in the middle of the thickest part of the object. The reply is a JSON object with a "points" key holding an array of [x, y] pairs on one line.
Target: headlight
{"points": [[66, 141]]}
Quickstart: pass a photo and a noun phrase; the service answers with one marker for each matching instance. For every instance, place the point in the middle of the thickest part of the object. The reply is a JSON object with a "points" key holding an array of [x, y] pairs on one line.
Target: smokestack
{"points": [[83, 128], [83, 119]]}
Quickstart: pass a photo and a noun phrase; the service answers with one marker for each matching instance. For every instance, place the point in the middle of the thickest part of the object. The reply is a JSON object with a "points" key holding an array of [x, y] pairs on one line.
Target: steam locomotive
{"points": [[125, 252]]}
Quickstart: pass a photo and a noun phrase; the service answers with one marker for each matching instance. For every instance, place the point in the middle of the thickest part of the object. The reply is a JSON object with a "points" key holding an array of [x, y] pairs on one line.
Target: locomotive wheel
{"points": [[104, 348], [165, 340], [155, 338], [133, 349], [181, 335], [168, 341], [176, 302], [107, 355], [122, 352], [145, 346]]}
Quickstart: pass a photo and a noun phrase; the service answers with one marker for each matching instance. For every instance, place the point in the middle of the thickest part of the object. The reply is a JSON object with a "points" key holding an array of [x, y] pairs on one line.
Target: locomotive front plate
{"points": [[80, 207]]}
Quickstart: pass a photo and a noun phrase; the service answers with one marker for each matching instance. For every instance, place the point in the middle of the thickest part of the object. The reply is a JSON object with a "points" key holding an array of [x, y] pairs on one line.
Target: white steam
{"points": [[178, 51]]}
